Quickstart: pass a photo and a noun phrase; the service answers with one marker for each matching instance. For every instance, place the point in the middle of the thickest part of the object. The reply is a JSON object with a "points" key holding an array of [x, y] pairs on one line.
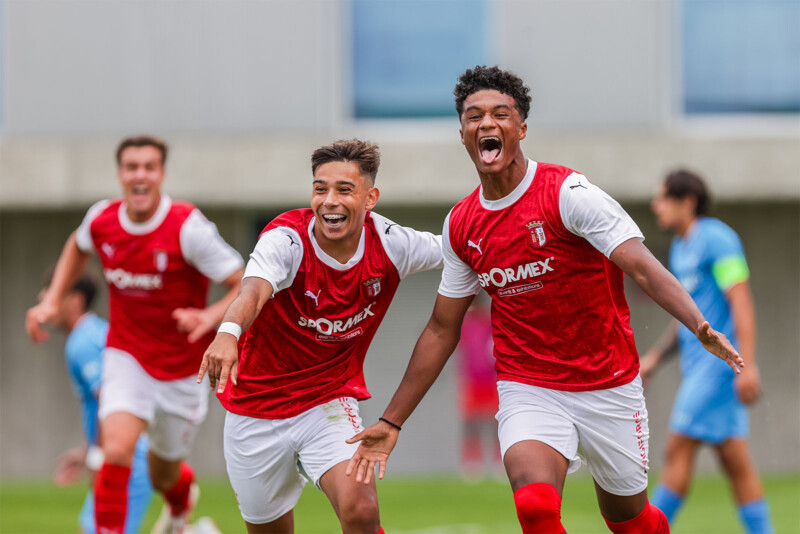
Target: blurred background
{"points": [[244, 91]]}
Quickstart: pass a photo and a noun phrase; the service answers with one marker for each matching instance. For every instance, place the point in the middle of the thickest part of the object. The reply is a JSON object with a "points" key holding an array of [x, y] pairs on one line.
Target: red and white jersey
{"points": [[559, 315], [151, 269], [307, 345]]}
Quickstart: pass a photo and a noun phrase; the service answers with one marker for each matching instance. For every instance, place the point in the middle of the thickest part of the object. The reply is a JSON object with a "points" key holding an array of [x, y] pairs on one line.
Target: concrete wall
{"points": [[92, 66], [39, 416], [252, 173]]}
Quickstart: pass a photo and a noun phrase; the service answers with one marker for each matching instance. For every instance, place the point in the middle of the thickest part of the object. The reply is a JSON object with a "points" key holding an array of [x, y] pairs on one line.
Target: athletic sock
{"points": [[111, 498], [755, 517], [539, 509], [667, 501], [651, 520], [178, 496]]}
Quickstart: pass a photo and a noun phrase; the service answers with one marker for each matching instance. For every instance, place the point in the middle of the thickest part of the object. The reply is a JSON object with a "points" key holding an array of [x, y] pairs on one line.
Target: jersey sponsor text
{"points": [[500, 277], [327, 327], [122, 279]]}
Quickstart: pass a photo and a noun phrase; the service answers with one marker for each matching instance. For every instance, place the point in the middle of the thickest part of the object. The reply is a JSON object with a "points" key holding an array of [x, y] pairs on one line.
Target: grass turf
{"points": [[412, 505]]}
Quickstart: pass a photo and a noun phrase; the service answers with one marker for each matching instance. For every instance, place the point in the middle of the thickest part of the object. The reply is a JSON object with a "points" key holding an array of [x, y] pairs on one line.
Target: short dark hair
{"points": [[682, 183], [363, 153], [483, 77], [143, 140], [85, 285]]}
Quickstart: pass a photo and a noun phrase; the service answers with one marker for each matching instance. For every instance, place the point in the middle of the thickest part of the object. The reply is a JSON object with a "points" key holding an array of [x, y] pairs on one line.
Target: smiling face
{"points": [[340, 199], [491, 129], [141, 173]]}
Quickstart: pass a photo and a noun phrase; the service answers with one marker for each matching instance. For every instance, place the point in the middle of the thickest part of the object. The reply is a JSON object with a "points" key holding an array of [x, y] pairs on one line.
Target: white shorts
{"points": [[267, 459], [606, 428], [173, 409]]}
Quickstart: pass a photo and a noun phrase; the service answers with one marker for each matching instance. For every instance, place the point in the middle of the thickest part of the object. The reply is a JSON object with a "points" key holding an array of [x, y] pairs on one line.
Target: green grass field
{"points": [[420, 506]]}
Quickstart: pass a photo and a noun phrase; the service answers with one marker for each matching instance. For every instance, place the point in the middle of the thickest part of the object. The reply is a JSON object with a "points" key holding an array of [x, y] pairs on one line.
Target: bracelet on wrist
{"points": [[231, 328], [393, 425]]}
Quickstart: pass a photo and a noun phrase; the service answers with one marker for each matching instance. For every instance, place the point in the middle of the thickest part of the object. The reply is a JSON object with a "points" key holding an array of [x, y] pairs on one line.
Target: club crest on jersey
{"points": [[537, 233], [372, 286], [108, 249], [160, 259]]}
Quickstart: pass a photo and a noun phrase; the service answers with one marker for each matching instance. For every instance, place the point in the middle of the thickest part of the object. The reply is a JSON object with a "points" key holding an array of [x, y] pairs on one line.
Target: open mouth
{"points": [[140, 190], [490, 148], [334, 220]]}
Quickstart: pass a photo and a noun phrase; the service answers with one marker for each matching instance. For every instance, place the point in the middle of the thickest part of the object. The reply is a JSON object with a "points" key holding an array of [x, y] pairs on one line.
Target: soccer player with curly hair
{"points": [[551, 250]]}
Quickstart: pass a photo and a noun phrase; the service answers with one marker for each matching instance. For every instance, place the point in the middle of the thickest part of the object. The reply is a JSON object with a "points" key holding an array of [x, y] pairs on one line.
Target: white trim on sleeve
{"points": [[276, 258], [410, 251], [204, 248], [83, 235], [589, 212], [458, 278]]}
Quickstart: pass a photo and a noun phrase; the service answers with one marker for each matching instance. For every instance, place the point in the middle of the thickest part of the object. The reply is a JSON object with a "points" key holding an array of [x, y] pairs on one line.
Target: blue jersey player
{"points": [[710, 408], [85, 343]]}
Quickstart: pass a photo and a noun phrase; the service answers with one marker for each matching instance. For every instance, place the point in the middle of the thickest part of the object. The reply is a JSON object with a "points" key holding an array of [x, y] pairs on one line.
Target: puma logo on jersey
{"points": [[326, 326], [122, 279], [291, 240], [500, 277], [108, 250], [578, 185], [313, 296], [389, 227], [473, 245]]}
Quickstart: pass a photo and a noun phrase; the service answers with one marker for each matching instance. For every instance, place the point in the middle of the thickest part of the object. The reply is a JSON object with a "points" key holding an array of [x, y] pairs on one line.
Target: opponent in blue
{"points": [[85, 343], [710, 408]]}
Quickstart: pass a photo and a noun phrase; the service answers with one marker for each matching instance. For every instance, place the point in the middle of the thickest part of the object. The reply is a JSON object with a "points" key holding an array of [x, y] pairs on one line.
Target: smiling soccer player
{"points": [[553, 250]]}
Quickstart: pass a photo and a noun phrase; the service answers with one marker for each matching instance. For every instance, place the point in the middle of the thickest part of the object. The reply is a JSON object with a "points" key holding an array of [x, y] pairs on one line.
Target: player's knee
{"points": [[359, 515], [118, 453], [538, 508]]}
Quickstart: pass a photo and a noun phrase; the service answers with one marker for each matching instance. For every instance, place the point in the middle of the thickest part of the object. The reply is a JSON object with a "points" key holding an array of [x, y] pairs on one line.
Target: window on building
{"points": [[741, 56], [407, 54]]}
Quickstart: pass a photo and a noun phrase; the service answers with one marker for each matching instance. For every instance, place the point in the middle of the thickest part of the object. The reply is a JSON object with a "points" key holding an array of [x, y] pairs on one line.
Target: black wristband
{"points": [[393, 425]]}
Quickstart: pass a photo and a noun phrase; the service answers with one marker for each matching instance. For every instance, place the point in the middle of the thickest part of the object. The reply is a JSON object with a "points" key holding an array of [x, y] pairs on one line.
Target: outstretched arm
{"points": [[70, 265], [740, 298], [197, 322], [663, 348], [659, 284], [221, 358], [434, 346]]}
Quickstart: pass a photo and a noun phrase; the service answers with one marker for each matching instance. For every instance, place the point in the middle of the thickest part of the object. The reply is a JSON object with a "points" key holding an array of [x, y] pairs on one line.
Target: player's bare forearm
{"points": [[220, 360], [430, 355], [743, 311], [232, 283], [659, 284], [71, 264], [434, 346], [740, 298], [663, 348], [244, 308]]}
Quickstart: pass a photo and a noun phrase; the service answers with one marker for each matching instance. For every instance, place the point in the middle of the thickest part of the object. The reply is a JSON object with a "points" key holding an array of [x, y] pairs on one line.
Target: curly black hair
{"points": [[482, 77]]}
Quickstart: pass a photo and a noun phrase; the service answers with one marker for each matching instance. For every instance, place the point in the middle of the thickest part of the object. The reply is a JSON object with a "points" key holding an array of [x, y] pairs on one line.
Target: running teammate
{"points": [[708, 259], [158, 256], [550, 249], [316, 288], [86, 339]]}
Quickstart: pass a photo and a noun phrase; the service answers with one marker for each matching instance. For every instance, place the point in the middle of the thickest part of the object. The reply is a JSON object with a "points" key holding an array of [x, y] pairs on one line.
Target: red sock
{"points": [[178, 496], [111, 498], [651, 520], [539, 509]]}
